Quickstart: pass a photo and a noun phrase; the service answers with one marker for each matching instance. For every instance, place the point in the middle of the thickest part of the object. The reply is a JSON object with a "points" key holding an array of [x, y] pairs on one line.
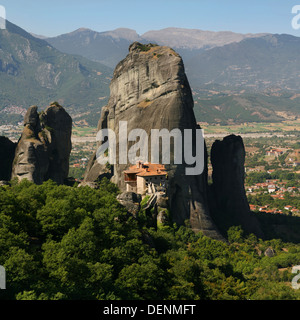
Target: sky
{"points": [[55, 17]]}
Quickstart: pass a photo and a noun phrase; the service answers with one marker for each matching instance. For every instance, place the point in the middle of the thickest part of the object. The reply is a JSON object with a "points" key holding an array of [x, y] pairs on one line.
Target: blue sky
{"points": [[55, 17]]}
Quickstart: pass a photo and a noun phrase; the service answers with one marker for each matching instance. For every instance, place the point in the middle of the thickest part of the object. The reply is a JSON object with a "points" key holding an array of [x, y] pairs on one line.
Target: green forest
{"points": [[63, 243], [292, 178]]}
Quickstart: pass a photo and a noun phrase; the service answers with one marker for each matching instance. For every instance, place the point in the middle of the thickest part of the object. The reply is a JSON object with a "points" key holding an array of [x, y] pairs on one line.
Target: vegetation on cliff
{"points": [[60, 242]]}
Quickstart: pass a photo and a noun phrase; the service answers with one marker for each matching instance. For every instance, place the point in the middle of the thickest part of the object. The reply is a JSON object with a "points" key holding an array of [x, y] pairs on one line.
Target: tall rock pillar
{"points": [[150, 90]]}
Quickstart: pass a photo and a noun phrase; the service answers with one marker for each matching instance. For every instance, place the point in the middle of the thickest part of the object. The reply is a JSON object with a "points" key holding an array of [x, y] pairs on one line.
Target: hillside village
{"points": [[277, 190], [281, 195]]}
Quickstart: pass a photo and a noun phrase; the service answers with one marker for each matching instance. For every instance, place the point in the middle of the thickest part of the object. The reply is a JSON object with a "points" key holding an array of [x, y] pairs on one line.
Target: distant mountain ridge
{"points": [[231, 62], [192, 39], [109, 46], [254, 64], [105, 47], [32, 72], [250, 61]]}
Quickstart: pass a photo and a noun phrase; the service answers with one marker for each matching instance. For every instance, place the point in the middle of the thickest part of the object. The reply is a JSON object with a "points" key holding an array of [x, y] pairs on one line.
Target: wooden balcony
{"points": [[129, 177]]}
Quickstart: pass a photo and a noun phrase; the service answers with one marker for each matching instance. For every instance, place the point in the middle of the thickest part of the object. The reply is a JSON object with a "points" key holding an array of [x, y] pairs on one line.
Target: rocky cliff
{"points": [[44, 148], [7, 153], [150, 90], [229, 204]]}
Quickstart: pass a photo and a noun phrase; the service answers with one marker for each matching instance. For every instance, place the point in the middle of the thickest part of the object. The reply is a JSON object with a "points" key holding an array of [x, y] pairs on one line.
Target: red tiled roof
{"points": [[147, 169]]}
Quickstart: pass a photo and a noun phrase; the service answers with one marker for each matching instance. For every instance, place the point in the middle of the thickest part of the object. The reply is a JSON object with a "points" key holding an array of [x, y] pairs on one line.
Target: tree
{"points": [[235, 234]]}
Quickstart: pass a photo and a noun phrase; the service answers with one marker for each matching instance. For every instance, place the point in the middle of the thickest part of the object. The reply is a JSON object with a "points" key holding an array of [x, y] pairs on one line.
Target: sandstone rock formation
{"points": [[228, 199], [131, 201], [7, 153], [150, 90], [44, 148]]}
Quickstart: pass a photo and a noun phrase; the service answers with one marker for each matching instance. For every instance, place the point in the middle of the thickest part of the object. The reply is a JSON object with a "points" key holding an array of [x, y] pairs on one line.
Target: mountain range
{"points": [[236, 77], [254, 64], [247, 61], [112, 46], [32, 72], [105, 47]]}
